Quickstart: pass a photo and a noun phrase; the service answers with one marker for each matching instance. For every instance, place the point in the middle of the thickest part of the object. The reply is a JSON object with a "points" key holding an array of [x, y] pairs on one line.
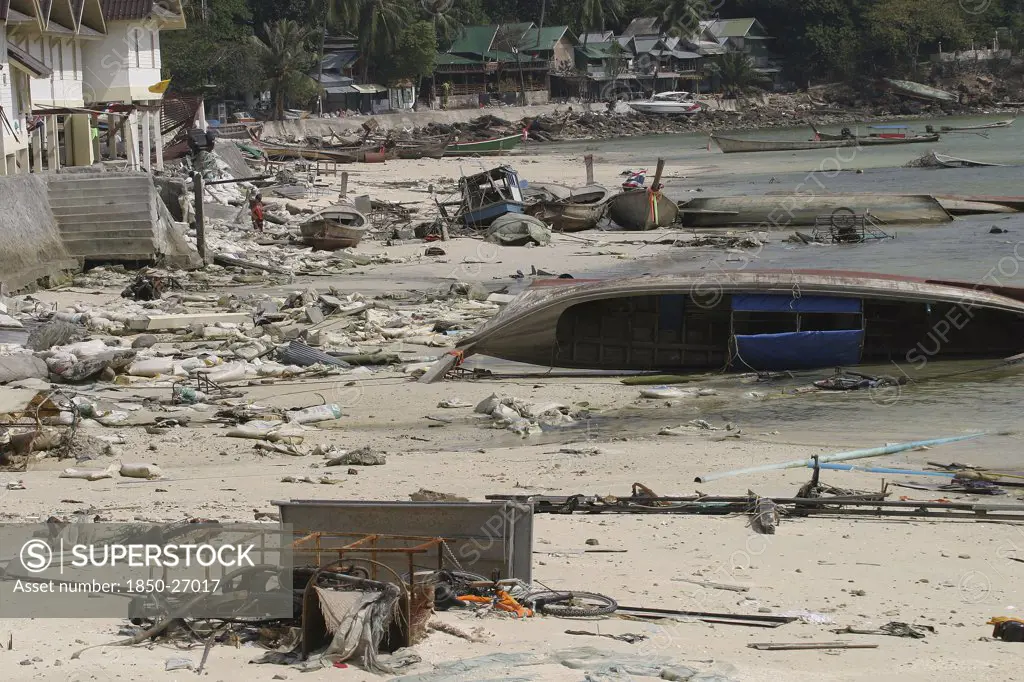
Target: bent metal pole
{"points": [[837, 457]]}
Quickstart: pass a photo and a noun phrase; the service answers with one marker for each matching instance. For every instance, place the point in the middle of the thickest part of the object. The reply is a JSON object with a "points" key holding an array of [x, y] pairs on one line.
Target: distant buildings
{"points": [[500, 62]]}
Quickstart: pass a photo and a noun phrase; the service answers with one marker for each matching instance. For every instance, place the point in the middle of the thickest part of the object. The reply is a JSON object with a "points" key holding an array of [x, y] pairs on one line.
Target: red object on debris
{"points": [[339, 664]]}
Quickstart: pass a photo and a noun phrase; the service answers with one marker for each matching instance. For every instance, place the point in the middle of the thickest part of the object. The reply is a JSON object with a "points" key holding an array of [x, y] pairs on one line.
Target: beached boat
{"points": [[732, 145], [936, 160], [920, 91], [786, 210], [637, 210], [495, 145], [981, 126], [337, 227], [569, 217], [747, 319], [666, 103], [882, 134], [490, 195], [430, 149], [239, 131], [284, 152]]}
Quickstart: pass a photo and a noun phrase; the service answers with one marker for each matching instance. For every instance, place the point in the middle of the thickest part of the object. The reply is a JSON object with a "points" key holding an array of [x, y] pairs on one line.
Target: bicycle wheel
{"points": [[573, 604]]}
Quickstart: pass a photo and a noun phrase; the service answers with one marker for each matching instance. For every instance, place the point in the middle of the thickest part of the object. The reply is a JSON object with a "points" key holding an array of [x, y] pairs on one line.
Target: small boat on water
{"points": [[637, 209], [732, 145], [337, 227], [667, 103], [495, 145], [981, 126]]}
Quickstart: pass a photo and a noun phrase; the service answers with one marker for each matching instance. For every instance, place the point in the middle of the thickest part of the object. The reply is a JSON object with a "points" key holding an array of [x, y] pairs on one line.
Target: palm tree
{"points": [[285, 60], [595, 13], [447, 22], [376, 23], [738, 75], [677, 18]]}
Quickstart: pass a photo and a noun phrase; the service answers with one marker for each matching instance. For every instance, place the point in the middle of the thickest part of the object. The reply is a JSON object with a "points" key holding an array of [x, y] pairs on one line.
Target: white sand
{"points": [[952, 575]]}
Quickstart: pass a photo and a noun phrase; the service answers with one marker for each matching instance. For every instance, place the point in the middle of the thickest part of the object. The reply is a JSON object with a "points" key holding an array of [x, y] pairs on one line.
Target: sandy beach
{"points": [[832, 573]]}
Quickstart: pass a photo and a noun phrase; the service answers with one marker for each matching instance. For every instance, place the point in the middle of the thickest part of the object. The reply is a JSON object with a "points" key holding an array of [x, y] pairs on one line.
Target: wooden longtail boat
{"points": [[580, 209], [564, 217], [632, 209], [700, 320], [496, 145], [732, 145], [338, 227], [981, 126]]}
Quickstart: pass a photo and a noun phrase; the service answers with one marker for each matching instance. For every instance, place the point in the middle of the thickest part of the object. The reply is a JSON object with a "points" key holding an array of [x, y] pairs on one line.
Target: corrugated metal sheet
{"points": [[298, 353]]}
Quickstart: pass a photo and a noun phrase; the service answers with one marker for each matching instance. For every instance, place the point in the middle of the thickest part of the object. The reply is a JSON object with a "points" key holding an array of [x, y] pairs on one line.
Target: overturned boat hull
{"points": [[785, 211], [636, 210], [750, 319]]}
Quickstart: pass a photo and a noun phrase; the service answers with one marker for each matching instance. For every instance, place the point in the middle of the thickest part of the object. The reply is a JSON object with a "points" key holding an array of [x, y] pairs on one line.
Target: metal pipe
{"points": [[882, 470], [836, 457]]}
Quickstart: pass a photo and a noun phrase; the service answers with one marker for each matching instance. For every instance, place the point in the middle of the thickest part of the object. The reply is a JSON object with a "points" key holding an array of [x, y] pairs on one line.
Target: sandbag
{"points": [[22, 366]]}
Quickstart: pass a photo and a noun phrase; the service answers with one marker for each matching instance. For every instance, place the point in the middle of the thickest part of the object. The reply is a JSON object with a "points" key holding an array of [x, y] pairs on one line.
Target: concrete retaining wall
{"points": [[30, 244], [401, 119]]}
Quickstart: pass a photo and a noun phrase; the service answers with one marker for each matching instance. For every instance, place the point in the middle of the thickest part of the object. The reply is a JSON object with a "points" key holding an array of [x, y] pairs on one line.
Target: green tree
{"points": [[679, 18], [377, 25], [415, 55], [897, 30], [214, 55], [737, 74], [595, 14], [285, 62]]}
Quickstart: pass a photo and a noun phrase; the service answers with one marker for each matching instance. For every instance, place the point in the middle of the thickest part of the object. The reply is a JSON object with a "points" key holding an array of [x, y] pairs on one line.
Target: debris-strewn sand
{"points": [[862, 573]]}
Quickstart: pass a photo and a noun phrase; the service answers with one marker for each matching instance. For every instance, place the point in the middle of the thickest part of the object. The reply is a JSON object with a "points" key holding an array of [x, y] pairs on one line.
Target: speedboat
{"points": [[668, 103]]}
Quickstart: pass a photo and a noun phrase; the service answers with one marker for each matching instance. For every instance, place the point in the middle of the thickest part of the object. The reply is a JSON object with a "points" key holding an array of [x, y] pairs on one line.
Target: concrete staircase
{"points": [[116, 217]]}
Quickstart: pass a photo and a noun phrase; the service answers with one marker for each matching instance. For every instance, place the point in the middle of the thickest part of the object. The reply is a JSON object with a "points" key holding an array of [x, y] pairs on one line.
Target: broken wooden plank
{"points": [[440, 368], [155, 322], [798, 646], [714, 586], [232, 261]]}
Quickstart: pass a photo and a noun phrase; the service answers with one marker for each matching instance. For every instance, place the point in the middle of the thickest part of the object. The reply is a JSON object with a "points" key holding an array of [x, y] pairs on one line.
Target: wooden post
{"points": [[147, 142], [589, 161], [112, 127], [344, 185], [655, 187], [197, 187]]}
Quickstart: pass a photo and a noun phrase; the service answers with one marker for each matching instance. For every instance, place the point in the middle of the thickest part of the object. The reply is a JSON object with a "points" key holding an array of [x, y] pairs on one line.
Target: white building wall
{"points": [[64, 87], [122, 66], [6, 99]]}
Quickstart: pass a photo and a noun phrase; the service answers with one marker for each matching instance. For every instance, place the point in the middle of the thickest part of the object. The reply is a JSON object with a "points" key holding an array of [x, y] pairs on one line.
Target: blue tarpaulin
{"points": [[775, 303], [799, 350]]}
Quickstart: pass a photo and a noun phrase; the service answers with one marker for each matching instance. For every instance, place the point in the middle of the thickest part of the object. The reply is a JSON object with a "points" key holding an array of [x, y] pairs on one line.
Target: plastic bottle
{"points": [[317, 413]]}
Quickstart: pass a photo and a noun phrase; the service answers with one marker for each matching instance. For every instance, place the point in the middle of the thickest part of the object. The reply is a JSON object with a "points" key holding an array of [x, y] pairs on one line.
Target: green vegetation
{"points": [[225, 51]]}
